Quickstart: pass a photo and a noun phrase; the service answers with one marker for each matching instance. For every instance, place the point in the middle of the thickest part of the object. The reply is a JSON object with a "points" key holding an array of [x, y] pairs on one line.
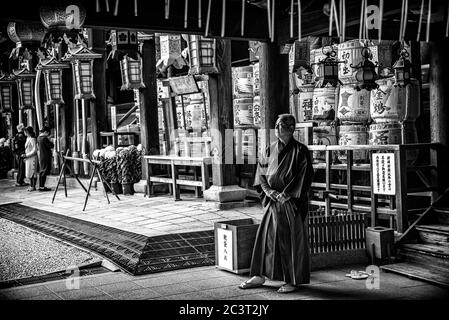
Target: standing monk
{"points": [[19, 150], [45, 146], [281, 249]]}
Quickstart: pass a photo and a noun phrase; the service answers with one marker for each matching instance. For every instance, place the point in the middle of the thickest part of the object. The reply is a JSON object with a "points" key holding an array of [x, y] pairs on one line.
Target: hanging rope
{"points": [[421, 13], [186, 11], [136, 10], [381, 15], [447, 21], [333, 15], [116, 7], [269, 17], [199, 14], [403, 25], [223, 18], [299, 20], [107, 5], [291, 17], [206, 32], [167, 9], [243, 18], [429, 13], [362, 19], [97, 5], [273, 6]]}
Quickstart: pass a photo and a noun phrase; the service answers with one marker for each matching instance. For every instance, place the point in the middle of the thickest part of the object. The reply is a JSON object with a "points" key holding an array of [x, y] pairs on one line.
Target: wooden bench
{"points": [[173, 180]]}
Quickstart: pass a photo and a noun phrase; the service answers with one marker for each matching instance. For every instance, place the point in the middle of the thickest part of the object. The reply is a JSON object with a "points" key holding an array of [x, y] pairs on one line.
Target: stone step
{"points": [[434, 234]]}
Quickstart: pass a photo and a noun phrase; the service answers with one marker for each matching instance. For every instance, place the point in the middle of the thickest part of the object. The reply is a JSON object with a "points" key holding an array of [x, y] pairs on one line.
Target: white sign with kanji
{"points": [[384, 173], [225, 248]]}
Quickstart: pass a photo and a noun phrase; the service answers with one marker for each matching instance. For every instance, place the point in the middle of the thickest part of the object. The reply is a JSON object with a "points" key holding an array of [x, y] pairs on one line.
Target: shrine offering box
{"points": [[383, 240], [234, 241]]}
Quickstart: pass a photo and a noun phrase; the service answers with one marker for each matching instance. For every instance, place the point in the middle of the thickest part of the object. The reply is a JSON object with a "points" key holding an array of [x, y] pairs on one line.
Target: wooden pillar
{"points": [[98, 107], [224, 189], [221, 114], [148, 108], [274, 87], [439, 101]]}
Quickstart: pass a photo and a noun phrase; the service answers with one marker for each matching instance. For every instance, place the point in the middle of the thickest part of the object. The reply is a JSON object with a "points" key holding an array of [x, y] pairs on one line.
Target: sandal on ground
{"points": [[287, 288], [31, 189], [248, 284]]}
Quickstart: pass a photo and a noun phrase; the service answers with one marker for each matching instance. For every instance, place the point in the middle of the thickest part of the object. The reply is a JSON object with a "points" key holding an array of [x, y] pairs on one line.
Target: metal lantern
{"points": [[6, 83], [402, 69], [25, 87], [366, 75], [52, 70], [131, 70], [202, 55], [329, 67], [82, 60]]}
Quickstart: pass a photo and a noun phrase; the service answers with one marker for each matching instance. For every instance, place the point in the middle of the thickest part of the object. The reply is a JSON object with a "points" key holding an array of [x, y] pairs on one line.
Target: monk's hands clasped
{"points": [[273, 195], [282, 198]]}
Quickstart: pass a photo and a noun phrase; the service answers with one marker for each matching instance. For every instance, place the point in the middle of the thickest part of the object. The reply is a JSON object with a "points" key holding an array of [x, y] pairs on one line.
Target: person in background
{"points": [[30, 158], [281, 248], [19, 150], [44, 147], [5, 158]]}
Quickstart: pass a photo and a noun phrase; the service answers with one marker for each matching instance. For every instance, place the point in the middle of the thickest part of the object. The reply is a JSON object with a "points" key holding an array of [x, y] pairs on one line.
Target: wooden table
{"points": [[173, 180]]}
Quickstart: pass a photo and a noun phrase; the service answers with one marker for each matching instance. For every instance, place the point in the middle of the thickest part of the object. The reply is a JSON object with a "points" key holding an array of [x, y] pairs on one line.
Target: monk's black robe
{"points": [[281, 249]]}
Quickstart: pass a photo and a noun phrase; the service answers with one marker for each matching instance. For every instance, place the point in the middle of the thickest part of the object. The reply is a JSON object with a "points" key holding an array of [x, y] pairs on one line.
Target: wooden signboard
{"points": [[183, 85], [113, 118], [384, 174]]}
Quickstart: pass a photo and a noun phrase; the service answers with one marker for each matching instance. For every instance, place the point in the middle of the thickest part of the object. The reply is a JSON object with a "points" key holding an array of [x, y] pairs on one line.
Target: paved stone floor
{"points": [[161, 215], [153, 216], [211, 283]]}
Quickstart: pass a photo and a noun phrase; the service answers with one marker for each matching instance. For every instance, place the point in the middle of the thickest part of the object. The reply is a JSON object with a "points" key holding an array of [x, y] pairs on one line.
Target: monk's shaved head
{"points": [[287, 118]]}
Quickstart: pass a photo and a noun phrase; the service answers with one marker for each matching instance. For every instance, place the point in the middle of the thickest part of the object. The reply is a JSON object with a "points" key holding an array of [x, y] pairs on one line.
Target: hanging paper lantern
{"points": [[82, 60], [202, 55], [131, 70], [6, 86], [52, 70], [25, 87]]}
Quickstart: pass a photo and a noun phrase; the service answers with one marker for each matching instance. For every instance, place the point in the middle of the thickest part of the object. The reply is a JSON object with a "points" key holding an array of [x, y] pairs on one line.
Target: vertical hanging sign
{"points": [[113, 118], [384, 173]]}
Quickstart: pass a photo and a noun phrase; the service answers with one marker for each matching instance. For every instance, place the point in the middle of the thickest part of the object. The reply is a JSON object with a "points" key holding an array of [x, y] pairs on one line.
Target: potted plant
{"points": [[130, 167], [108, 168]]}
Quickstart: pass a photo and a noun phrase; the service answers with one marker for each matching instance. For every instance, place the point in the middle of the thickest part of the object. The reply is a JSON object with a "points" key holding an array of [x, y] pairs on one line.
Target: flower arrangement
{"points": [[123, 165]]}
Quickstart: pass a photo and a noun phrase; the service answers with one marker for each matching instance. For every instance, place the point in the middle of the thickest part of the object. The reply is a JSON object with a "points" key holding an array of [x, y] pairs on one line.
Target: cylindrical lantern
{"points": [[52, 70], [402, 69], [6, 83], [82, 61], [131, 70], [25, 87], [202, 55]]}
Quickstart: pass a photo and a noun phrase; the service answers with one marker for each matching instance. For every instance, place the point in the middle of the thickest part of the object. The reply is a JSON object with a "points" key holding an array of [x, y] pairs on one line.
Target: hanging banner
{"points": [[384, 173]]}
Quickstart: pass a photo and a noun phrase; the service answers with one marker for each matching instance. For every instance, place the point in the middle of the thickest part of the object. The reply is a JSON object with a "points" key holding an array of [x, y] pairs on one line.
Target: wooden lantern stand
{"points": [[95, 169]]}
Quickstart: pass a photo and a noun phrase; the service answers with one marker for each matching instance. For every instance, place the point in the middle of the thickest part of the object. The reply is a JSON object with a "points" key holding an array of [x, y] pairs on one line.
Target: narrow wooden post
{"points": [[401, 190], [349, 179]]}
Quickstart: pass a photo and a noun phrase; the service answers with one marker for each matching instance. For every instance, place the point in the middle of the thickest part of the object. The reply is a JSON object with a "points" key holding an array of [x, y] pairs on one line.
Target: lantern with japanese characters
{"points": [[82, 65], [131, 71], [25, 87], [52, 70], [6, 93]]}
